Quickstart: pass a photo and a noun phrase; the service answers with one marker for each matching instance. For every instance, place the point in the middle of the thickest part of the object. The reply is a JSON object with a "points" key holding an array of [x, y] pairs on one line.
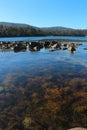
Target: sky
{"points": [[45, 13]]}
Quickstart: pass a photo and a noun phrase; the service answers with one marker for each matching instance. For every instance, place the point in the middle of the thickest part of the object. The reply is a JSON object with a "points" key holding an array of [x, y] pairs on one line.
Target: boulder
{"points": [[47, 44], [71, 48], [19, 47], [35, 46], [55, 46]]}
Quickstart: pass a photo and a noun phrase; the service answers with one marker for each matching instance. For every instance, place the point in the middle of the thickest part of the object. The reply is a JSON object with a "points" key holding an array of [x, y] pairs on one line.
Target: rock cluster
{"points": [[37, 45]]}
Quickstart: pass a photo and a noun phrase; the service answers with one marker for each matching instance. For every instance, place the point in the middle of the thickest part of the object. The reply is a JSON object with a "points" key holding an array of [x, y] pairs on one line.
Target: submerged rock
{"points": [[78, 128], [27, 122], [85, 48], [1, 89]]}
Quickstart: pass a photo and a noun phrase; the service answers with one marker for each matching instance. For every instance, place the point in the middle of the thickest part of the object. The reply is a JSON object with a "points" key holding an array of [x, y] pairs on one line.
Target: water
{"points": [[42, 37], [43, 87]]}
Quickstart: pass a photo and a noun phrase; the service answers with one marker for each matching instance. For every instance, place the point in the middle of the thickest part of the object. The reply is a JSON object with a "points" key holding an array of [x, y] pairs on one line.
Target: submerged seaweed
{"points": [[43, 90]]}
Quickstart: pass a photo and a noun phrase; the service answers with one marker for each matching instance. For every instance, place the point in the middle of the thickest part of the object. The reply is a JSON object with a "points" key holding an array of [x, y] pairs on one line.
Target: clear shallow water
{"points": [[34, 63], [24, 74]]}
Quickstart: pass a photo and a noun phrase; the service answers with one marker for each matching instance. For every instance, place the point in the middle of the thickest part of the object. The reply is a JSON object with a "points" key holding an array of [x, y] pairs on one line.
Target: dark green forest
{"points": [[16, 31], [11, 31]]}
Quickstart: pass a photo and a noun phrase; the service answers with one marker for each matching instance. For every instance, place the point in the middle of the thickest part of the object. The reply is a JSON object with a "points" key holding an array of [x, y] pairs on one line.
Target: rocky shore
{"points": [[37, 45]]}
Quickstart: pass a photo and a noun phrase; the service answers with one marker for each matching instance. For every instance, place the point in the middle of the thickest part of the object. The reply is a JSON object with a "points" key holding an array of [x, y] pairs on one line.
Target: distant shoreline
{"points": [[43, 38], [64, 40]]}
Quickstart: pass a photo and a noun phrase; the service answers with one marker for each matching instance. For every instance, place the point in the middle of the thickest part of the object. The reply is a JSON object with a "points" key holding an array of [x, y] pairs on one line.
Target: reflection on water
{"points": [[34, 84]]}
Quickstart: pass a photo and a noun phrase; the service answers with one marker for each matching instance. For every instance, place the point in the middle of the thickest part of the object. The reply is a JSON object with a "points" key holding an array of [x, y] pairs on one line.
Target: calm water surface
{"points": [[43, 62], [26, 72], [42, 37]]}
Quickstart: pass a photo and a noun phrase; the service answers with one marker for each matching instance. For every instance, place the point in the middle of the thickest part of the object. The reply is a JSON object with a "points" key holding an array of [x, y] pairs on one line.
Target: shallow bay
{"points": [[32, 81]]}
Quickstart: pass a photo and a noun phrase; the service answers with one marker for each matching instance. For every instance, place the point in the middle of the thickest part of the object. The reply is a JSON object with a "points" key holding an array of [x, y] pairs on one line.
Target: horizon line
{"points": [[41, 26]]}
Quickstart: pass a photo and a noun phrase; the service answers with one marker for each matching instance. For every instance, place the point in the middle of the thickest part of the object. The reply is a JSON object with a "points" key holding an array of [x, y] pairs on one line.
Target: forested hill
{"points": [[56, 28], [17, 29]]}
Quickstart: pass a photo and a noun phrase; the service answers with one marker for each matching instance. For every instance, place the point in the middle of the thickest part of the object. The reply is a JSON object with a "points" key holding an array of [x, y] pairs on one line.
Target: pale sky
{"points": [[45, 13]]}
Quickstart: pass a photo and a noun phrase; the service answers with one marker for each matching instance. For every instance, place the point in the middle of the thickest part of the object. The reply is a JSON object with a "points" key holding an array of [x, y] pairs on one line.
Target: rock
{"points": [[71, 48], [64, 44], [85, 48], [55, 46], [1, 89], [19, 47], [47, 44], [80, 44], [35, 46], [78, 128], [27, 122]]}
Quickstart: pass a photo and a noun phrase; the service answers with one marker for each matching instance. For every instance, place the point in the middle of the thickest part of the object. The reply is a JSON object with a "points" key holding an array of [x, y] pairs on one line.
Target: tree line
{"points": [[12, 31]]}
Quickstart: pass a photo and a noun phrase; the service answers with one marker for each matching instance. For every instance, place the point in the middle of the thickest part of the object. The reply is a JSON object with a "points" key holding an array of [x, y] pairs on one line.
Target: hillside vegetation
{"points": [[12, 29]]}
